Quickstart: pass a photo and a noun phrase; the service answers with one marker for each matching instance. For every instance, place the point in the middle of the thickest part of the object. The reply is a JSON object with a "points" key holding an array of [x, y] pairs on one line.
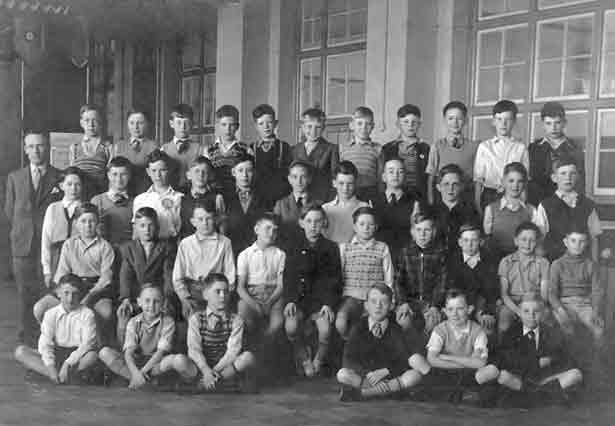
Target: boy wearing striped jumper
{"points": [[365, 262]]}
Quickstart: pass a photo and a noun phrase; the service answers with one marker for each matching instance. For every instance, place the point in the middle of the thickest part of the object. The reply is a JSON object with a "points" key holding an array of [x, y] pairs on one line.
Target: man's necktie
{"points": [[36, 178], [300, 203], [182, 145], [377, 330], [393, 199]]}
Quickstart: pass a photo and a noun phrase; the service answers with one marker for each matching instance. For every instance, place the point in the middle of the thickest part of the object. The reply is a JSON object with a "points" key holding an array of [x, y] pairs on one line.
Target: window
{"points": [[607, 69], [331, 64], [548, 4], [482, 128], [577, 126], [604, 175], [498, 8]]}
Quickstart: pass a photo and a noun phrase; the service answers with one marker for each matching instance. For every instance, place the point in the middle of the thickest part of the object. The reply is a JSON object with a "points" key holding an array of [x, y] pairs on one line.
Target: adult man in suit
{"points": [[29, 191]]}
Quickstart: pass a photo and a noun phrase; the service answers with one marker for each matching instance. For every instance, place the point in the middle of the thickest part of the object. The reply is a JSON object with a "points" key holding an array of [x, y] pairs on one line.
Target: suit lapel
{"points": [[153, 256], [47, 183], [139, 254]]}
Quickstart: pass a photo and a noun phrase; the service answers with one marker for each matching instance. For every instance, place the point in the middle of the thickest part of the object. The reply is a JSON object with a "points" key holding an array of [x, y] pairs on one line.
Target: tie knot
{"points": [[377, 330], [531, 335]]}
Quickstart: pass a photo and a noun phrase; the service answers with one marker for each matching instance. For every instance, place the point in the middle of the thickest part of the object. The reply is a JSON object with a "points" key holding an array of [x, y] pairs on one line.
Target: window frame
{"points": [[500, 15], [600, 191], [603, 53]]}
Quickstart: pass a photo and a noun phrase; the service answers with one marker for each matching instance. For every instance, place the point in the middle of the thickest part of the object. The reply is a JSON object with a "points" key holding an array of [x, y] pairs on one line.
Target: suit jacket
{"points": [[480, 284], [289, 214], [324, 159], [25, 208], [136, 270], [240, 224]]}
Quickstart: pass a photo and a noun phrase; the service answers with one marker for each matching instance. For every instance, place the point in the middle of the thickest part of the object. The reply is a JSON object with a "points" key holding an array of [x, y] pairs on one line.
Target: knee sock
{"points": [[321, 353], [385, 387]]}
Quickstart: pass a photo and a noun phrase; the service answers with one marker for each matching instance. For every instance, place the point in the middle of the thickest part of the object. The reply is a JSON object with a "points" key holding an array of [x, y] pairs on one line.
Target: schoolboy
{"points": [[204, 252], [474, 272], [91, 258], [271, 154], [59, 222], [316, 151], [202, 188], [521, 272], [394, 207], [115, 205], [454, 148], [421, 277], [494, 154], [378, 360], [29, 191], [533, 357], [411, 149], [365, 261], [93, 153], [226, 150], [457, 350], [216, 353], [312, 278], [145, 260], [67, 344], [565, 210], [161, 196], [245, 204], [451, 210], [339, 211], [552, 146], [363, 152], [149, 339], [136, 149], [181, 150]]}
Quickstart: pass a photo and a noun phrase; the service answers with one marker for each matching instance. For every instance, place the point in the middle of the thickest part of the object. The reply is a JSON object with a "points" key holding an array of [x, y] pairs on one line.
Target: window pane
{"points": [[191, 95], [209, 99], [578, 73], [514, 85], [551, 40], [336, 86], [312, 8], [337, 28], [607, 130], [580, 37], [356, 82], [491, 8], [577, 126], [482, 128], [549, 79], [337, 6], [490, 45], [607, 79], [311, 24], [345, 83], [606, 171], [209, 53], [310, 84], [191, 52], [487, 84], [543, 4], [516, 45], [347, 21]]}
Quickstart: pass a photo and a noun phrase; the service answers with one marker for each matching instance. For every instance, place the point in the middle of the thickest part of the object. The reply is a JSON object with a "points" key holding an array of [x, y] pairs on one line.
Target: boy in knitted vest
{"points": [[365, 262]]}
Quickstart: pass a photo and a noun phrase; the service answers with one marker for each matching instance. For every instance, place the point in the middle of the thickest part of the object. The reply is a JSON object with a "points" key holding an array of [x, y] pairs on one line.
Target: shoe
{"points": [[348, 394], [455, 397], [470, 398], [317, 364], [308, 368]]}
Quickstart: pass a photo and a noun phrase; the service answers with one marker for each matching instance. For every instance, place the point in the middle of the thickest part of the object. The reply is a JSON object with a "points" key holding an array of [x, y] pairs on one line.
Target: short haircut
{"points": [[133, 110], [263, 109], [156, 156], [504, 106], [44, 133], [553, 110], [151, 286], [453, 293], [426, 214], [382, 289], [208, 205], [470, 227], [268, 217], [119, 161], [314, 114], [575, 229], [182, 111], [527, 226], [408, 109], [201, 159], [90, 107], [72, 170], [72, 280], [516, 167], [450, 169], [312, 207], [242, 158], [212, 278], [149, 213], [393, 158], [363, 211], [227, 111], [532, 296], [363, 112], [563, 161], [346, 168], [455, 105], [303, 164], [86, 208]]}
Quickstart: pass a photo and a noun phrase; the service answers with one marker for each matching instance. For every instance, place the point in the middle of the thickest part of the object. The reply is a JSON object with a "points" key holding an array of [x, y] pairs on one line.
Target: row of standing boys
{"points": [[430, 261]]}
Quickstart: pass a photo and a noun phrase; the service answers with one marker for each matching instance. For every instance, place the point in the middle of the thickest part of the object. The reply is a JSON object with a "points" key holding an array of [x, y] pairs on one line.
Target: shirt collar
{"points": [[356, 241], [112, 194], [338, 202], [256, 247], [85, 244], [150, 324], [92, 139], [169, 191], [224, 149], [451, 139], [354, 141], [269, 143], [209, 312], [212, 237], [371, 323], [450, 207], [554, 144], [497, 139], [468, 257], [176, 140], [516, 257], [512, 206], [304, 197], [527, 330], [465, 331], [208, 188], [71, 206], [41, 168], [398, 193]]}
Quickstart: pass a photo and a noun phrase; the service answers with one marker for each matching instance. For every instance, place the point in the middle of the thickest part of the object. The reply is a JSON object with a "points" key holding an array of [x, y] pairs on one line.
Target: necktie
{"points": [[216, 321], [570, 199], [244, 196], [393, 199], [36, 178], [148, 250], [531, 336], [182, 145], [119, 199], [455, 142], [472, 261], [299, 203], [136, 145], [377, 330]]}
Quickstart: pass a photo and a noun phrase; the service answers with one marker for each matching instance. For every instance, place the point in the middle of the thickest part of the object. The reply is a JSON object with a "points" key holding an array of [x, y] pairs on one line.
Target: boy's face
{"points": [[299, 179], [36, 148], [565, 177], [313, 224], [265, 126], [312, 128], [86, 224], [514, 184], [531, 313], [344, 186], [216, 295], [118, 178], [266, 232], [457, 311], [150, 300], [203, 221], [361, 127], [450, 187], [554, 127], [394, 174], [145, 229], [455, 121], [158, 172], [365, 227], [576, 243], [377, 305], [90, 123], [181, 126], [71, 185], [137, 125], [423, 233], [243, 174], [526, 242], [409, 125], [70, 296], [504, 123], [469, 241], [198, 175], [227, 127]]}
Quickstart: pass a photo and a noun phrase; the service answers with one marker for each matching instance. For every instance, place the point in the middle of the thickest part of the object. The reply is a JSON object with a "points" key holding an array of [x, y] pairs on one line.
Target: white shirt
{"points": [[493, 155], [384, 324], [536, 333], [262, 266], [167, 207], [436, 343], [472, 261]]}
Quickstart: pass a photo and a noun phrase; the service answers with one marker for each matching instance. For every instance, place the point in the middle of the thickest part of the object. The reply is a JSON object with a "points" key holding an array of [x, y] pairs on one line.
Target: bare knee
{"points": [[486, 374], [20, 352], [344, 375], [504, 377], [107, 355]]}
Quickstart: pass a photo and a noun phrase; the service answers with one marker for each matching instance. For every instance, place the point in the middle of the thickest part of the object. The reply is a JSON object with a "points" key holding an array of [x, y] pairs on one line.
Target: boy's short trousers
{"points": [[580, 308], [261, 292], [141, 360], [450, 379], [61, 354]]}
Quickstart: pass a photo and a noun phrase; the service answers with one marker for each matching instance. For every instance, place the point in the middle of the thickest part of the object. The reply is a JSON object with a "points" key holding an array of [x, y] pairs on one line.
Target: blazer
{"points": [[289, 214], [324, 159], [25, 208], [240, 224]]}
